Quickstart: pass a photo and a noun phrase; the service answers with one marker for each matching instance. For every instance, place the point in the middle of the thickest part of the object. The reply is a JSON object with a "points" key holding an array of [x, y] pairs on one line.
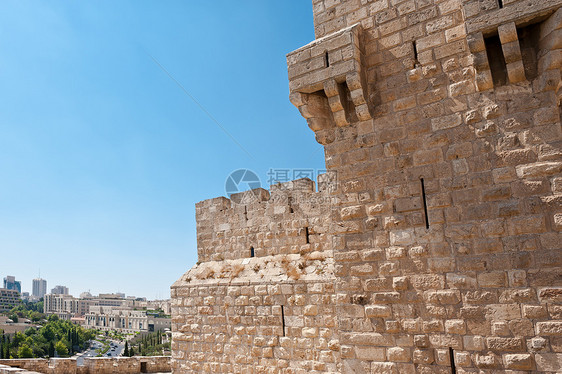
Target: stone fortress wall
{"points": [[262, 296], [438, 248], [92, 365], [291, 218]]}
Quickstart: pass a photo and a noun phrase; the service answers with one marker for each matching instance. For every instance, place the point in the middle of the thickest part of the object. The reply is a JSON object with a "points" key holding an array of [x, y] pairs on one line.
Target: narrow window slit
{"points": [[307, 235], [496, 60], [246, 212], [452, 358], [252, 254], [416, 61], [326, 59], [347, 102], [291, 210], [424, 203], [529, 44], [500, 4], [283, 318]]}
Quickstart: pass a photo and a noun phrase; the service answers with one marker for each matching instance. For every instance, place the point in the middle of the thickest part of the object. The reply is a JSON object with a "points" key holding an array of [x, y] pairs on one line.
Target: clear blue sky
{"points": [[103, 156]]}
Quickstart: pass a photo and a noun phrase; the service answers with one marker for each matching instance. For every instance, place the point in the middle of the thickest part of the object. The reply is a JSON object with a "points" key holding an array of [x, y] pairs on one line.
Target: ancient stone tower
{"points": [[433, 243]]}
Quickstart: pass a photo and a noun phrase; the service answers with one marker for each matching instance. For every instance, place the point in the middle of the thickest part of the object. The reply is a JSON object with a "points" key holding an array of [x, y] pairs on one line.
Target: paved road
{"points": [[116, 349], [93, 351]]}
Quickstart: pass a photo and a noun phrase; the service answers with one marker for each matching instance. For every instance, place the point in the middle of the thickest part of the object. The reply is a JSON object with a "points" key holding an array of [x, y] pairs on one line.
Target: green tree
{"points": [[51, 349], [61, 348], [48, 332], [132, 352], [24, 351], [39, 350], [53, 318], [7, 348], [19, 338]]}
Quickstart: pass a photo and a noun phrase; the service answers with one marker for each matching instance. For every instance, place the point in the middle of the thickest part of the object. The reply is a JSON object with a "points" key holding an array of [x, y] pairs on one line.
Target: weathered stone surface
{"points": [[440, 228], [518, 361], [549, 362], [92, 365]]}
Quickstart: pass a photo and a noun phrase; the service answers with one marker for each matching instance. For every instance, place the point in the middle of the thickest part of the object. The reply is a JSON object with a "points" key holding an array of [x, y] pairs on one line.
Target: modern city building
{"points": [[164, 305], [8, 299], [67, 306], [10, 283], [113, 299], [124, 319], [39, 288], [60, 290]]}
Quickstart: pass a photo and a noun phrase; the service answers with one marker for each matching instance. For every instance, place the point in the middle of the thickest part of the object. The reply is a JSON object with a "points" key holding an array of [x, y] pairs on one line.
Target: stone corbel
{"points": [[357, 87], [512, 52], [336, 99], [316, 110], [328, 75], [483, 73]]}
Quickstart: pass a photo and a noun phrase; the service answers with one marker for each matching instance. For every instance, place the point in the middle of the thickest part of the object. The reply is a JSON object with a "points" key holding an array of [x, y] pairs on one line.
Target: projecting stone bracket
{"points": [[512, 52], [545, 61], [481, 64], [327, 82], [316, 110]]}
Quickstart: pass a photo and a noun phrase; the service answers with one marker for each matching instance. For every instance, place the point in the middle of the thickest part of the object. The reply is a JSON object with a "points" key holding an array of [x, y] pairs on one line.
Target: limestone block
{"points": [[370, 353], [473, 342], [455, 326], [549, 328], [384, 368], [398, 354], [554, 22], [518, 361], [539, 169], [508, 33], [505, 344], [548, 362], [486, 361]]}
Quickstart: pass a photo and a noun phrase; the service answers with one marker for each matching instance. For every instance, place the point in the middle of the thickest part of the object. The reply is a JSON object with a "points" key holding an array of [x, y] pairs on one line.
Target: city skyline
{"points": [[112, 132], [71, 293]]}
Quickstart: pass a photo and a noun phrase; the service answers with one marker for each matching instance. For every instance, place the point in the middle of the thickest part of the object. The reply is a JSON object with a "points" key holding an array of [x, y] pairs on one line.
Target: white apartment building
{"points": [[123, 319], [65, 306], [163, 305], [68, 306]]}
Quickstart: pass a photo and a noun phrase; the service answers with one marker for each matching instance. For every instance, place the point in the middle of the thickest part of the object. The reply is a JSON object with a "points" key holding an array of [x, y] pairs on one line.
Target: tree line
{"points": [[56, 338], [151, 344]]}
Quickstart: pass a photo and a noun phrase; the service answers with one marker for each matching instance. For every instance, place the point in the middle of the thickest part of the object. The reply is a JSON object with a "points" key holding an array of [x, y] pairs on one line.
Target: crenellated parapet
{"points": [[289, 218], [327, 82]]}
